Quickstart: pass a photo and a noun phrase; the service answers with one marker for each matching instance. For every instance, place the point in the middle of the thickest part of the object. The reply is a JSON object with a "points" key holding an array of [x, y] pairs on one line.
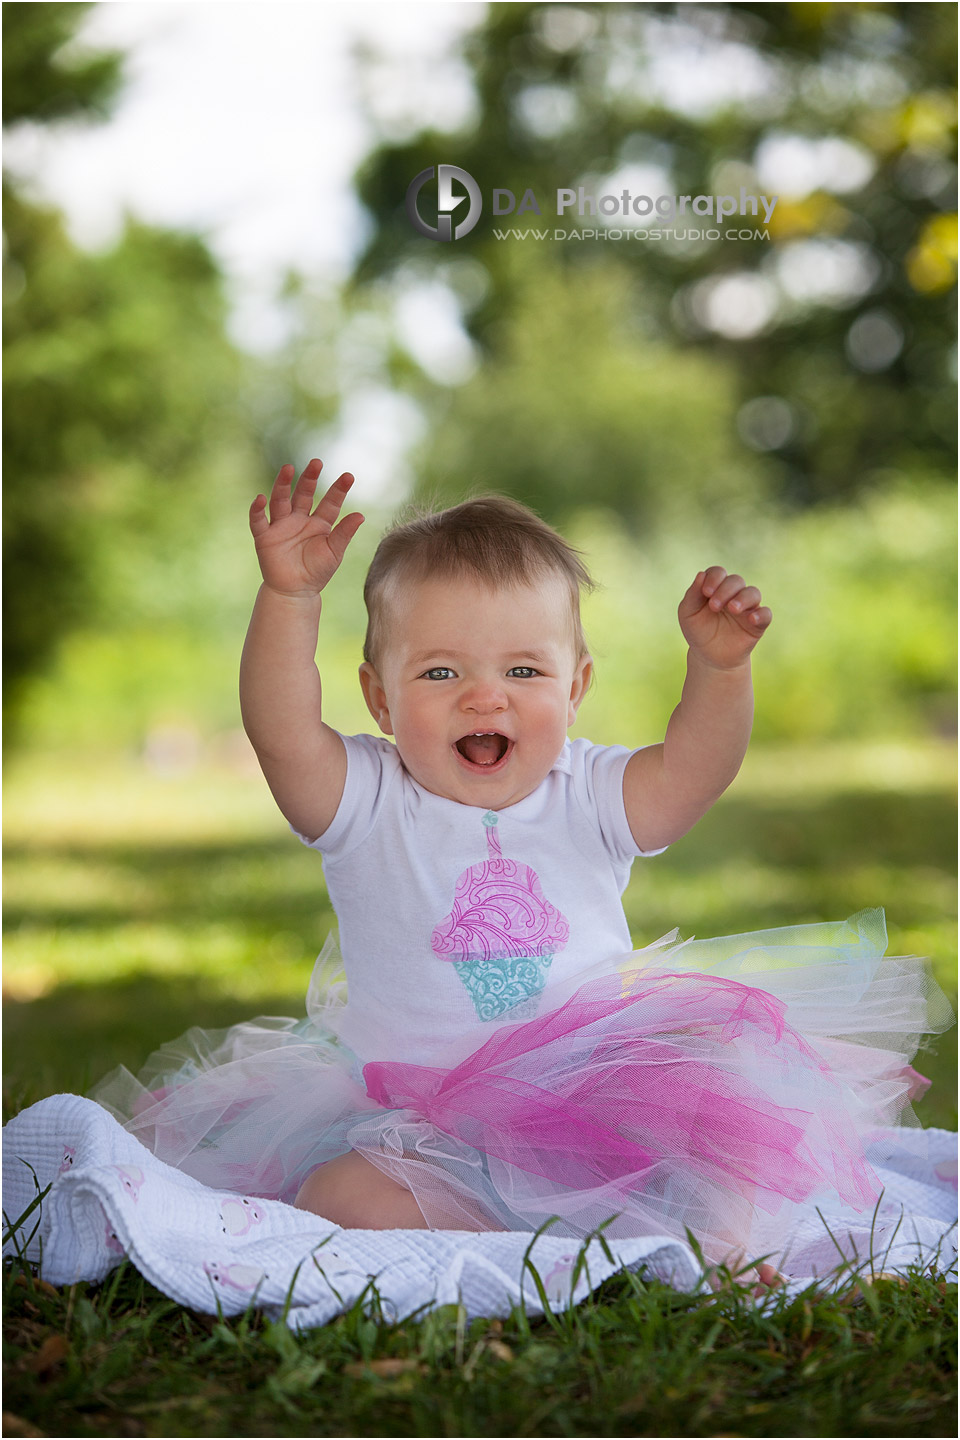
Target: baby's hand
{"points": [[722, 618], [299, 550]]}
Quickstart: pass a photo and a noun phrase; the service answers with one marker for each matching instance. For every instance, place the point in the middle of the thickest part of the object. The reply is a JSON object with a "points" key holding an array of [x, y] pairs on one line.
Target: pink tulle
{"points": [[727, 1088], [585, 1130]]}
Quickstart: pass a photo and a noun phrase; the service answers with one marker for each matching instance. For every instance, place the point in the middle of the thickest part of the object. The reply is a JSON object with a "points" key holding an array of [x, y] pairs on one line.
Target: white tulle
{"points": [[740, 1089]]}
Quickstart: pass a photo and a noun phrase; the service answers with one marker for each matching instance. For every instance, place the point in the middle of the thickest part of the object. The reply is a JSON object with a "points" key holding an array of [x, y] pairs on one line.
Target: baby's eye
{"points": [[438, 672], [527, 669]]}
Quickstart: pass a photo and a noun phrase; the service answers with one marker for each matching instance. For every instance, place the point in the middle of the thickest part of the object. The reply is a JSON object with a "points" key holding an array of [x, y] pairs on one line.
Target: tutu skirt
{"points": [[727, 1089]]}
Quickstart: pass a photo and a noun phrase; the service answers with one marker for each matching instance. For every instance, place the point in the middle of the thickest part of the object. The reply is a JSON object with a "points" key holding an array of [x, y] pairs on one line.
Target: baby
{"points": [[476, 667], [504, 1057]]}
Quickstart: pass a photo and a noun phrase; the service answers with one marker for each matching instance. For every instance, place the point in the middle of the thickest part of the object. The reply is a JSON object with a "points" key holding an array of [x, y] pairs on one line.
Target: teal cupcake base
{"points": [[512, 983]]}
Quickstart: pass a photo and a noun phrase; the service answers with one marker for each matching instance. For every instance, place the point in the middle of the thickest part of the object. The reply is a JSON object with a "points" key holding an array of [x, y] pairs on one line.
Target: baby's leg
{"points": [[731, 1223], [762, 1277], [355, 1194]]}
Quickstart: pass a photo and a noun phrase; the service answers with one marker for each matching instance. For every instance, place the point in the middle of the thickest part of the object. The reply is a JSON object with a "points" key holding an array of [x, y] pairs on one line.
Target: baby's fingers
{"points": [[694, 597], [729, 588], [744, 606], [329, 507], [259, 524], [746, 599], [305, 488], [340, 537], [280, 494], [756, 621], [712, 578], [701, 592]]}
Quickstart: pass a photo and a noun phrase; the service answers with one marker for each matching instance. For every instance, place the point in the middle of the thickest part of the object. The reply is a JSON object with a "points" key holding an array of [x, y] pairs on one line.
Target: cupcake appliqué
{"points": [[502, 933]]}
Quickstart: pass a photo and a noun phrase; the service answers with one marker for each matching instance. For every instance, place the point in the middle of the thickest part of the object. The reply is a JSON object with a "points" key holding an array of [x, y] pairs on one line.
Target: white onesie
{"points": [[452, 917]]}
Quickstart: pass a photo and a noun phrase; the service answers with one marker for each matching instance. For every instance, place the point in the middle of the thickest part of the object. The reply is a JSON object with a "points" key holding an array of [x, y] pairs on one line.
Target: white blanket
{"points": [[212, 1251]]}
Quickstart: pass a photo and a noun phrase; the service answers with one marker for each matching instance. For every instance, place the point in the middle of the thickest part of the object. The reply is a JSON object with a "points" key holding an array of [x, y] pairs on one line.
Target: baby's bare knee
{"points": [[333, 1191], [351, 1192]]}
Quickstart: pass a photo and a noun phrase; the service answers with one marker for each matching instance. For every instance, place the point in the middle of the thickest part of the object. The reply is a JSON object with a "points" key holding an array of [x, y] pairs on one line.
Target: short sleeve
{"points": [[597, 774], [371, 763]]}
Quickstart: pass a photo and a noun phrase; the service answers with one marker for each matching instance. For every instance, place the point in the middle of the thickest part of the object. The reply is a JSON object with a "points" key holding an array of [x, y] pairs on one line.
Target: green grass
{"points": [[635, 1359], [137, 905]]}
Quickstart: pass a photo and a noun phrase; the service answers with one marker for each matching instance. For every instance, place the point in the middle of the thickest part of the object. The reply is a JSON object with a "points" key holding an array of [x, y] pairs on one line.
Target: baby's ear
{"points": [[375, 696], [580, 685]]}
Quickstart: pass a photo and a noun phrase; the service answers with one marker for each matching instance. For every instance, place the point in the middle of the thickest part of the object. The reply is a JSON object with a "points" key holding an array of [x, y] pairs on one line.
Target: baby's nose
{"points": [[485, 696]]}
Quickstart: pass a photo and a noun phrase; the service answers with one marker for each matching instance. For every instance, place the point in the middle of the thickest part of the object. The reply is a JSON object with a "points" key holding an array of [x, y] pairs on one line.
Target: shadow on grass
{"points": [[69, 1039], [827, 830], [271, 884], [277, 883]]}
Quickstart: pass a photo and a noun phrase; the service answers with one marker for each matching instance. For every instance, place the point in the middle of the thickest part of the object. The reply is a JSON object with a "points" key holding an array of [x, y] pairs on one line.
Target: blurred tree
{"points": [[122, 420], [581, 408], [837, 331], [42, 80]]}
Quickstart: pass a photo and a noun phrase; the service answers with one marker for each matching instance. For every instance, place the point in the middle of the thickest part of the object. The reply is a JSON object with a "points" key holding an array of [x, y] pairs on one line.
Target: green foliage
{"points": [[125, 427], [43, 80], [123, 431], [866, 598], [567, 95], [584, 408], [135, 432], [862, 642]]}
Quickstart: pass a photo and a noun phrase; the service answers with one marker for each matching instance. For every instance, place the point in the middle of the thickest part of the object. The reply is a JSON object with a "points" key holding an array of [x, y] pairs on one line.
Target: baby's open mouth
{"points": [[483, 749]]}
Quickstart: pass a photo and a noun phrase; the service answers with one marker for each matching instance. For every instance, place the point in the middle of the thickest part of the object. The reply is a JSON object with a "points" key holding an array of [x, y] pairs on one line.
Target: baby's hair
{"points": [[490, 537]]}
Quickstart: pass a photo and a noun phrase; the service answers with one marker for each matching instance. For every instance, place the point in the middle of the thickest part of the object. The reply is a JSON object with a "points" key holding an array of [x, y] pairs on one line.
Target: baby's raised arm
{"points": [[299, 550], [668, 787]]}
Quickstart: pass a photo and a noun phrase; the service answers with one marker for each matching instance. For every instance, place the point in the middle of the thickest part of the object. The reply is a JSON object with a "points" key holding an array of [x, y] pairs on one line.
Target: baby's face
{"points": [[461, 659]]}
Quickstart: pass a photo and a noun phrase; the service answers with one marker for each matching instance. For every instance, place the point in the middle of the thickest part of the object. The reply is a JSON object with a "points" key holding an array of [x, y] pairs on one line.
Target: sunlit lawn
{"points": [[138, 904]]}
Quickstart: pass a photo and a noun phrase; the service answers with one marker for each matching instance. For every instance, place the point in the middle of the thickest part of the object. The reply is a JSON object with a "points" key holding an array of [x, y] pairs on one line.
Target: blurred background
{"points": [[208, 271]]}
